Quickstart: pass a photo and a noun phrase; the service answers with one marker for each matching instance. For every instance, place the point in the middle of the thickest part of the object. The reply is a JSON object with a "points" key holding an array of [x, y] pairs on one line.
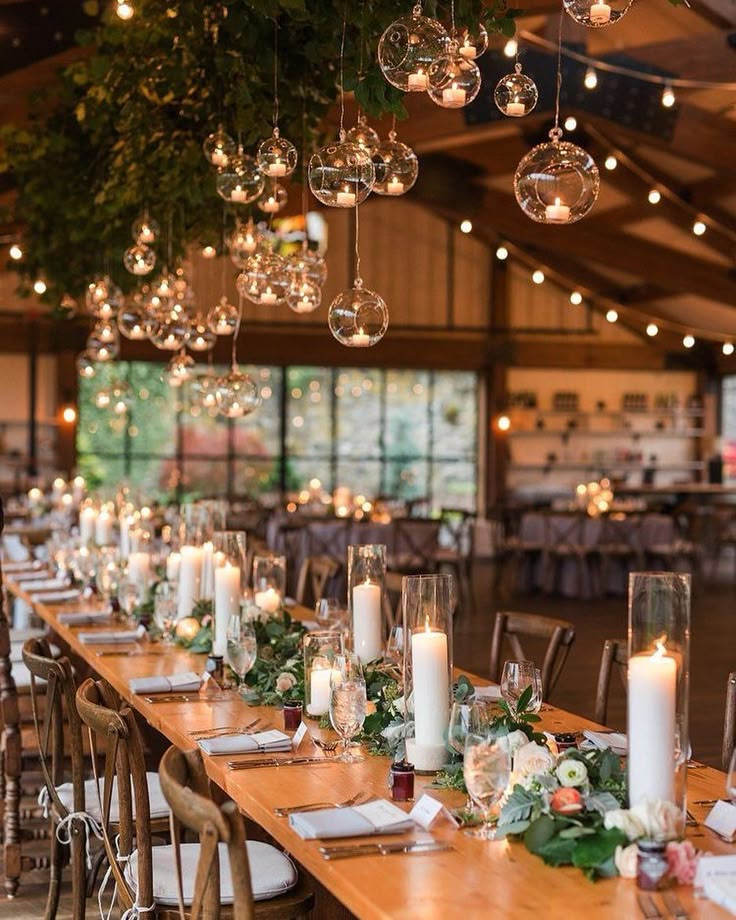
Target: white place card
{"points": [[298, 736], [722, 820], [426, 811], [710, 867]]}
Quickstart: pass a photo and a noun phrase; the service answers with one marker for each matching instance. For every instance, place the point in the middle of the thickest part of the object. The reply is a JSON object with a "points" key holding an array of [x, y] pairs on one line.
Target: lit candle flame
{"points": [[661, 648], [427, 627]]}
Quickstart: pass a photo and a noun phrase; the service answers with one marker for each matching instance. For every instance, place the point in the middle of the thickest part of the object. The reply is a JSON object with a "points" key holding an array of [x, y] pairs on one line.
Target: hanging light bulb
{"points": [[557, 182], [341, 175], [654, 196], [591, 78], [223, 317], [502, 253], [610, 162], [105, 332], [358, 317], [668, 97], [39, 286], [125, 10], [15, 252], [139, 259], [699, 227], [688, 341], [597, 13], [466, 226], [727, 348], [612, 316], [408, 48], [209, 251], [303, 296], [240, 181], [144, 230], [454, 80], [652, 329], [571, 123], [511, 48], [538, 276], [276, 157], [68, 306], [576, 298], [396, 165], [273, 199], [363, 136], [471, 45], [219, 147], [237, 394], [265, 279], [516, 94]]}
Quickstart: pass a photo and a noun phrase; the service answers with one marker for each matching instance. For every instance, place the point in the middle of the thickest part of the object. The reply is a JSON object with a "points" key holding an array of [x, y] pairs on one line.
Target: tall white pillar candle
{"points": [[319, 691], [173, 562], [126, 522], [139, 570], [103, 529], [190, 574], [227, 603], [367, 637], [87, 519], [208, 584], [431, 686], [651, 704]]}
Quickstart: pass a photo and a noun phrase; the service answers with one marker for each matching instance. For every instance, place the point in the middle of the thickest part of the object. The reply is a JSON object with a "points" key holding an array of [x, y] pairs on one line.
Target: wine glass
{"points": [[128, 596], [241, 648], [327, 611], [164, 610], [731, 778], [535, 703], [395, 645], [515, 678], [486, 769], [347, 703], [108, 576], [473, 717]]}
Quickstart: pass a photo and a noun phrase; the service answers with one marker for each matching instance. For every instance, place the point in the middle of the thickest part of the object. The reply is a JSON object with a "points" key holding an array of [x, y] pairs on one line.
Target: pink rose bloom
{"points": [[682, 858], [284, 682]]}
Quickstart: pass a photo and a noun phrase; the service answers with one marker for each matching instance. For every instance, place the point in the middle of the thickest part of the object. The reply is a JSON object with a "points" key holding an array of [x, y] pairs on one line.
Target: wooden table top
{"points": [[476, 879]]}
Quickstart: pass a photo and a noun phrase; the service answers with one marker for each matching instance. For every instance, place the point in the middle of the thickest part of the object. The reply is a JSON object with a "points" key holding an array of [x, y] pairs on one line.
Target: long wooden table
{"points": [[475, 879]]}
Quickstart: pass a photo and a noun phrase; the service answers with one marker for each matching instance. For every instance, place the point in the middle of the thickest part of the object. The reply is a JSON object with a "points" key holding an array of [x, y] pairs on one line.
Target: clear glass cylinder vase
{"points": [[366, 580], [228, 582], [428, 603], [269, 581], [658, 686], [322, 649]]}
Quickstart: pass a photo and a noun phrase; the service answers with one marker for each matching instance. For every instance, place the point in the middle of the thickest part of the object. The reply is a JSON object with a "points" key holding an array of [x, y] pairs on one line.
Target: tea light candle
{"points": [[418, 81], [360, 339], [87, 518], [268, 296], [395, 186], [57, 489], [319, 691], [190, 574], [431, 686], [103, 529], [172, 566], [238, 194], [515, 109], [78, 489], [34, 497], [367, 621], [227, 603], [146, 234], [268, 600], [600, 13], [346, 199], [651, 726], [219, 158], [467, 50], [277, 169], [454, 96], [557, 213]]}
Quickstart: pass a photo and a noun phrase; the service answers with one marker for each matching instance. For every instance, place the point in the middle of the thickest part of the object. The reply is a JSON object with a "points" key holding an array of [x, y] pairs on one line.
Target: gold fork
{"points": [[318, 806], [223, 730]]}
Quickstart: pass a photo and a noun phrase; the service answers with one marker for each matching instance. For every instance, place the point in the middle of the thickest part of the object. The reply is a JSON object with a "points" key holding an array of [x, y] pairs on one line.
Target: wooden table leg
{"points": [[11, 760]]}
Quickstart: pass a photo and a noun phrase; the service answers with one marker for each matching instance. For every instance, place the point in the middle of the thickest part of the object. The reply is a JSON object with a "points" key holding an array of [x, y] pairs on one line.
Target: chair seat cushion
{"points": [[272, 872], [157, 803]]}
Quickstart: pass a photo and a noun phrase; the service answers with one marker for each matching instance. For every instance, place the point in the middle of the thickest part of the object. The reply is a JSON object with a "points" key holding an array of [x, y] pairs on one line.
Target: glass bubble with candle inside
{"points": [[658, 687], [269, 582], [428, 605], [227, 573], [322, 649], [556, 182], [366, 578]]}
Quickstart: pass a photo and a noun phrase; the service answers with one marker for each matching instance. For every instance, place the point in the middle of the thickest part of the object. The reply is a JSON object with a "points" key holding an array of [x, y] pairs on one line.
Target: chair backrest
{"points": [[458, 530], [186, 789], [56, 723], [511, 627], [315, 575], [415, 543], [392, 600], [729, 723], [615, 654], [112, 726], [328, 538]]}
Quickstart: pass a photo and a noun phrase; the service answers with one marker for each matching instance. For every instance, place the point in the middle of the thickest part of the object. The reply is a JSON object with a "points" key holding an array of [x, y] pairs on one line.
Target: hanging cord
{"points": [[452, 19], [224, 250], [275, 76], [305, 181], [236, 333], [358, 283], [556, 132], [342, 73]]}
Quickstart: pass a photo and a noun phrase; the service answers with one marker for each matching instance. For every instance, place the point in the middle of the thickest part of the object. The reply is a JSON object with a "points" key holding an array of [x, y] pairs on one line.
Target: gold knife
{"points": [[382, 849], [274, 762]]}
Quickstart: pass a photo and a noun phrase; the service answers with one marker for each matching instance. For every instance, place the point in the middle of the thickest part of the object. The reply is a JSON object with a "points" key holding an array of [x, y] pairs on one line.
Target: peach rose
{"points": [[627, 860], [682, 858], [285, 681], [566, 801]]}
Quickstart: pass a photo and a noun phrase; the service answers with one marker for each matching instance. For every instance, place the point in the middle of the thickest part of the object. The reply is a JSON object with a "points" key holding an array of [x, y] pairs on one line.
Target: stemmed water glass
{"points": [[327, 611], [164, 609], [486, 770], [347, 703], [241, 649], [108, 576], [515, 678], [472, 717], [395, 645]]}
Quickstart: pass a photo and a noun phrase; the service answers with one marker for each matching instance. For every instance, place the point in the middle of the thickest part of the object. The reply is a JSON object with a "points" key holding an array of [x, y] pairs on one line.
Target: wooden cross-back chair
{"points": [[615, 656], [414, 543], [458, 525], [186, 787], [511, 627], [393, 614], [316, 575], [729, 722]]}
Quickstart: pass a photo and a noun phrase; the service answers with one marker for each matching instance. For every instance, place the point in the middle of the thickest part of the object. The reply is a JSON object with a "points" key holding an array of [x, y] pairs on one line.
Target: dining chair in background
{"points": [[316, 576], [456, 552], [393, 614], [729, 722], [615, 657], [510, 628]]}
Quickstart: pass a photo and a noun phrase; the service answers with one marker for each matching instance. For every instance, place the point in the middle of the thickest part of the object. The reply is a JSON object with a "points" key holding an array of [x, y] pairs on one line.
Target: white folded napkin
{"points": [[83, 617], [721, 889], [108, 636], [311, 625], [42, 584], [16, 567], [379, 817], [601, 740], [491, 693], [264, 742], [166, 683], [33, 577], [289, 602], [55, 597]]}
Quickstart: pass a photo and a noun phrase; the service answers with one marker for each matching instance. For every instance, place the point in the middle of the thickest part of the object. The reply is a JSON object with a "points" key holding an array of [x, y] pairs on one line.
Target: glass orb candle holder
{"points": [[471, 44], [243, 242], [204, 391], [240, 182], [397, 167], [366, 581], [304, 296], [265, 279], [179, 370], [428, 603], [218, 148], [557, 182], [358, 317], [201, 337], [597, 13], [121, 396], [139, 259], [310, 263], [363, 136], [269, 581], [132, 322], [106, 331], [341, 175], [237, 394], [322, 650], [145, 230], [103, 290], [223, 317], [276, 157], [408, 48], [516, 94], [227, 572], [454, 80], [102, 351], [86, 365], [170, 331], [273, 199]]}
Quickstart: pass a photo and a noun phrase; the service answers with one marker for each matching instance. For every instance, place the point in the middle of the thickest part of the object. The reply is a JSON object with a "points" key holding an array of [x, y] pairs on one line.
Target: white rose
{"points": [[627, 860], [533, 758], [624, 820], [661, 820], [571, 773]]}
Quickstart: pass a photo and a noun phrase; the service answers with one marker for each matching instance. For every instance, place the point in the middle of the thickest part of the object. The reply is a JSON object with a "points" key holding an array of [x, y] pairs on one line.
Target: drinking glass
{"points": [[731, 778], [327, 611], [535, 703], [242, 647], [395, 645], [128, 596], [515, 678], [108, 575], [486, 769], [347, 705], [473, 717], [164, 609]]}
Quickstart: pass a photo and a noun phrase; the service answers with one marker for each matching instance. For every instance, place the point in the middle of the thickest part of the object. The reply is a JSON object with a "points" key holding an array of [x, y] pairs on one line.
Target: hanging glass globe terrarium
{"points": [[397, 167], [121, 397], [341, 175], [103, 298], [201, 337], [102, 398], [516, 94], [145, 230], [273, 199], [408, 48], [303, 296], [310, 263], [106, 331], [86, 366], [139, 259], [358, 317], [100, 350], [179, 370], [454, 80], [276, 157], [204, 387], [265, 279], [556, 182], [471, 44], [363, 136], [240, 182], [597, 13], [237, 394], [170, 331], [243, 242], [223, 317], [132, 322], [218, 148]]}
